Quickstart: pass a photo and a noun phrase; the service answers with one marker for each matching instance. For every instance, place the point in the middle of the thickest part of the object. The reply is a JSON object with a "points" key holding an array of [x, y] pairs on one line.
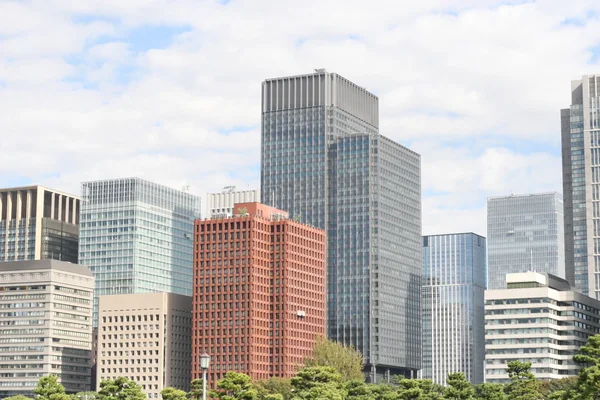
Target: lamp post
{"points": [[204, 364]]}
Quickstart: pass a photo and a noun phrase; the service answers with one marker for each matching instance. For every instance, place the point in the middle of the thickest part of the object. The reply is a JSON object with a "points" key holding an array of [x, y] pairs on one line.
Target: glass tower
{"points": [[580, 131], [454, 281], [525, 233], [325, 163], [137, 237]]}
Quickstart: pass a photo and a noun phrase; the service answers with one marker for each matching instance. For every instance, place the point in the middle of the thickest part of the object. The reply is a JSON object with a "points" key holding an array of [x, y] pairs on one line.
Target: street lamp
{"points": [[204, 364]]}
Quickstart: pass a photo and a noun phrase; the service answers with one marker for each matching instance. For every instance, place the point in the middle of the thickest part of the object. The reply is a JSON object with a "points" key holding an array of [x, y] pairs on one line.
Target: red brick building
{"points": [[259, 293]]}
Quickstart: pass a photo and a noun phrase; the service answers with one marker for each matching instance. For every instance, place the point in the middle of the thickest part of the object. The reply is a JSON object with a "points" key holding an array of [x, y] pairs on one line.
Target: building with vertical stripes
{"points": [[324, 161], [221, 204], [137, 237], [259, 293], [38, 223], [454, 281]]}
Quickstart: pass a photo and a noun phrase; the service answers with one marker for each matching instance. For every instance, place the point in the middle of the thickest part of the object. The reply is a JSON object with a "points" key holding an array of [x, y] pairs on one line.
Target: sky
{"points": [[169, 90]]}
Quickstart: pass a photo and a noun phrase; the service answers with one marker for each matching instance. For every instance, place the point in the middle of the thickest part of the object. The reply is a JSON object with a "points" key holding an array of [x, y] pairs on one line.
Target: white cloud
{"points": [[475, 86]]}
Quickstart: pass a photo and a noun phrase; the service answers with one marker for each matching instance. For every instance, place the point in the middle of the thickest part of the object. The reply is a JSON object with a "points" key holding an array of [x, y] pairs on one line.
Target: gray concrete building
{"points": [[147, 338], [525, 233], [580, 131], [38, 223], [221, 204], [324, 161], [454, 279], [45, 325], [540, 319]]}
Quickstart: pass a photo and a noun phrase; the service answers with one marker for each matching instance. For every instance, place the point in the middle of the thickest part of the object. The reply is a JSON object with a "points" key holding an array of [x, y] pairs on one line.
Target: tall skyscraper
{"points": [[580, 130], [324, 161], [137, 237], [145, 337], [259, 293], [37, 223], [221, 204], [454, 279], [525, 233], [45, 325], [539, 319]]}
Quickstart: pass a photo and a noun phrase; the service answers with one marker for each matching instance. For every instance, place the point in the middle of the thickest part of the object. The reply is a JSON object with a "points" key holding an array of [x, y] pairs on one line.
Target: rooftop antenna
{"points": [[185, 188]]}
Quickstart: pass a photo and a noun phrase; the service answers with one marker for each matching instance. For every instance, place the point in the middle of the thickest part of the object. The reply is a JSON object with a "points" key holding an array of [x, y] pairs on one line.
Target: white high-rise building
{"points": [[221, 204]]}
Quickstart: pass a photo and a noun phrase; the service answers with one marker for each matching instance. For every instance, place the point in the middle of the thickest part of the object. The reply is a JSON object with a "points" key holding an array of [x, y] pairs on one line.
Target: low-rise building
{"points": [[45, 325], [146, 338], [539, 319]]}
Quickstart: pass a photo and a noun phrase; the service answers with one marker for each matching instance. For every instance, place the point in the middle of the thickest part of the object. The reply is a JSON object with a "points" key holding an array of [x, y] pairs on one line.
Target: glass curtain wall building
{"points": [[580, 131], [454, 282], [137, 237], [325, 163], [525, 233]]}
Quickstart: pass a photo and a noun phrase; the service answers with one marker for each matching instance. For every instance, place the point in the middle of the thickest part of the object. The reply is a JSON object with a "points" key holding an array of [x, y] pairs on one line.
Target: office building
{"points": [[136, 237], [454, 279], [37, 223], [580, 131], [147, 338], [45, 325], [259, 293], [539, 319], [221, 204], [324, 161], [525, 233]]}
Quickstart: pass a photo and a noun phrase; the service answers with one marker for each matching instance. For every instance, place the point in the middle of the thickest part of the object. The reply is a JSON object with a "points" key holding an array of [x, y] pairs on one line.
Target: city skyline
{"points": [[98, 89]]}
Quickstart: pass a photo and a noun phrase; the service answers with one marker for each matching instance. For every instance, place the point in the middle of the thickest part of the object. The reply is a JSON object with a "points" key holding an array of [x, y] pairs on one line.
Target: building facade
{"points": [[539, 319], [45, 325], [580, 131], [146, 338], [259, 293], [324, 162], [137, 237], [454, 279], [221, 204], [37, 223], [525, 233]]}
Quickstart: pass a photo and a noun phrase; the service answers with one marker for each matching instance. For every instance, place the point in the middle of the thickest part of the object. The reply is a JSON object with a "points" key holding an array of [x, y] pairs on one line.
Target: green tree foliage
{"points": [[274, 385], [196, 389], [358, 390], [318, 383], [490, 391], [48, 388], [234, 386], [565, 388], [588, 384], [346, 360], [121, 388], [458, 387], [18, 397], [85, 396], [411, 389], [523, 385], [170, 393], [383, 392]]}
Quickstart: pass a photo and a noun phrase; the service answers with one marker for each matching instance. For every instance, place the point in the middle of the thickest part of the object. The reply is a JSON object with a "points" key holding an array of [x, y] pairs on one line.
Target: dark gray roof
{"points": [[32, 265]]}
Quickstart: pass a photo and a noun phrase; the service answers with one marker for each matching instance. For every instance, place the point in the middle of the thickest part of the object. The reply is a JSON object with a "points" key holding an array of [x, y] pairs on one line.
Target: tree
{"points": [[358, 390], [410, 389], [235, 386], [559, 388], [318, 383], [383, 392], [48, 388], [523, 385], [170, 393], [490, 391], [458, 387], [17, 397], [121, 389], [274, 386], [346, 360], [588, 384], [196, 389]]}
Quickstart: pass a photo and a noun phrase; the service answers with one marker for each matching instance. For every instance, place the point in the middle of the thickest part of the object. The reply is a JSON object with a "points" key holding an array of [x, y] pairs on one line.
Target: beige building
{"points": [[147, 338], [539, 319], [38, 223], [45, 325], [220, 205]]}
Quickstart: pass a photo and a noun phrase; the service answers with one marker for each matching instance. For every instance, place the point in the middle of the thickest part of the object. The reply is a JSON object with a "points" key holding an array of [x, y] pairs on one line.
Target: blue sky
{"points": [[170, 90]]}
